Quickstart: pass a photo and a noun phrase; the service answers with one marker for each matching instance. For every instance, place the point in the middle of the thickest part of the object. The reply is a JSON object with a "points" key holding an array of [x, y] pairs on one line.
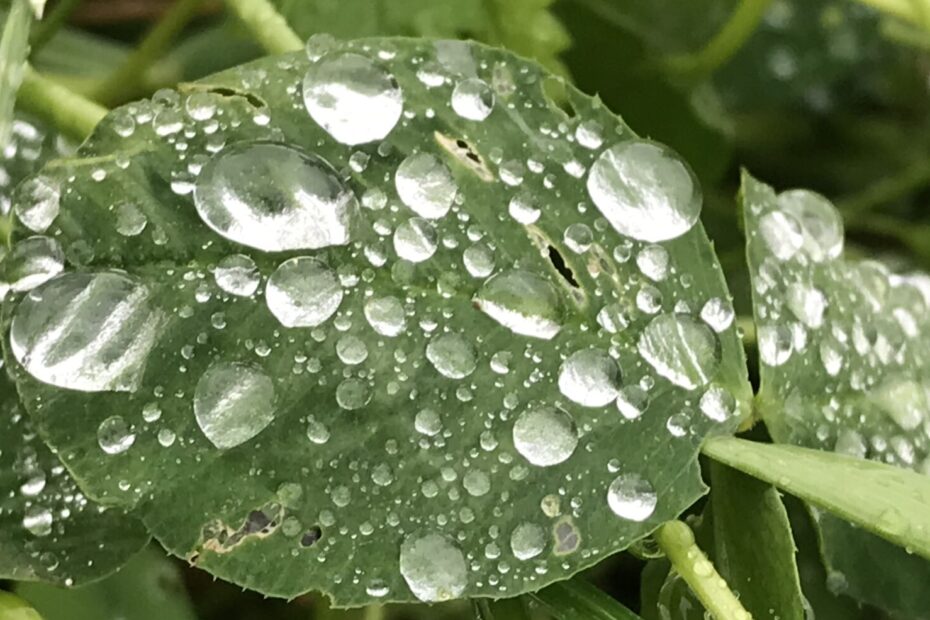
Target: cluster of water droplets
{"points": [[439, 313], [842, 342]]}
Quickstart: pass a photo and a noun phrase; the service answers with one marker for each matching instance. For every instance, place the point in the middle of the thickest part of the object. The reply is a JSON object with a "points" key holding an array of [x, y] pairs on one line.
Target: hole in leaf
{"points": [[555, 257], [311, 536]]}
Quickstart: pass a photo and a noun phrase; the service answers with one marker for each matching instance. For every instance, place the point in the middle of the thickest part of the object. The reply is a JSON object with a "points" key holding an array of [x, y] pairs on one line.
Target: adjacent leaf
{"points": [[844, 348], [526, 27], [401, 360], [14, 608], [14, 46], [577, 599], [148, 587], [753, 545]]}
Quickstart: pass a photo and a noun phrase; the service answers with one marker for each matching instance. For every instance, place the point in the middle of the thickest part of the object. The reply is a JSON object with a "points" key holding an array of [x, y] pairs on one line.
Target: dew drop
{"points": [[433, 567], [38, 520], [114, 436], [527, 541], [233, 402], [37, 203], [545, 436], [237, 275], [776, 344], [425, 185], [303, 292], [523, 302], [352, 394], [274, 198], [820, 222], [717, 403], [645, 191], [718, 314], [385, 315], [451, 355], [473, 99], [352, 98], [415, 240], [130, 220], [33, 261], [632, 497], [589, 377], [681, 349]]}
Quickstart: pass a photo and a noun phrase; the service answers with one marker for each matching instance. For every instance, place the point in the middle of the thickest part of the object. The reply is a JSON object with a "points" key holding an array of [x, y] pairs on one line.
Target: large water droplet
{"points": [[237, 275], [433, 567], [590, 378], [473, 99], [274, 198], [451, 355], [681, 349], [527, 541], [37, 203], [114, 436], [303, 292], [425, 185], [415, 240], [545, 436], [776, 344], [233, 402], [632, 497], [352, 98], [385, 315], [85, 331], [645, 190], [821, 224], [523, 302]]}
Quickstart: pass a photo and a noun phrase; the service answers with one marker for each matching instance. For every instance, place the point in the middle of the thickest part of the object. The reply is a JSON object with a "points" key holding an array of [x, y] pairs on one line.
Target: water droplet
{"points": [[415, 240], [352, 98], [476, 482], [274, 198], [776, 344], [433, 567], [807, 303], [351, 350], [317, 431], [473, 99], [428, 422], [718, 314], [352, 394], [33, 261], [645, 191], [527, 541], [451, 355], [385, 315], [717, 403], [545, 436], [590, 378], [523, 302], [425, 185], [578, 237], [38, 520], [85, 331], [237, 275], [820, 222], [233, 402], [130, 220], [632, 497], [523, 208], [303, 292], [652, 261], [37, 203], [782, 234], [680, 349], [632, 402], [114, 436]]}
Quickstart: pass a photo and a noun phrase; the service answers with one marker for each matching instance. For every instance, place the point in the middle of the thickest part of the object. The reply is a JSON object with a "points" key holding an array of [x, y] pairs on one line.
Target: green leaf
{"points": [[148, 587], [14, 46], [757, 559], [576, 599], [14, 608], [378, 421], [844, 349], [526, 27]]}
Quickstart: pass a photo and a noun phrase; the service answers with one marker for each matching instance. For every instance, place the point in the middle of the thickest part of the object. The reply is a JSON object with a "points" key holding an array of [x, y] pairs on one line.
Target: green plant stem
{"points": [[266, 25], [504, 609], [677, 541], [374, 612], [70, 113], [888, 189], [747, 326], [916, 12], [730, 38], [14, 608], [123, 83], [51, 23]]}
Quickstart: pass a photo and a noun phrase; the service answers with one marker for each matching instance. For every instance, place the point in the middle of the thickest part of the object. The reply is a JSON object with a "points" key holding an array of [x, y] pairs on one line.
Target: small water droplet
{"points": [[527, 541], [415, 240]]}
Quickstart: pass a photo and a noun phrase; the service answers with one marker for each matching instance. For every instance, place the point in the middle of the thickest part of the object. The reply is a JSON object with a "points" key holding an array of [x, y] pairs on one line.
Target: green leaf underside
{"points": [[49, 531], [757, 561], [282, 514], [844, 354], [148, 587]]}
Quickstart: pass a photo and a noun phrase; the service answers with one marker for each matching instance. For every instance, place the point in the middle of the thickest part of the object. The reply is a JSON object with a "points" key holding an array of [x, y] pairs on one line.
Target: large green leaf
{"points": [[351, 418], [148, 587], [844, 348]]}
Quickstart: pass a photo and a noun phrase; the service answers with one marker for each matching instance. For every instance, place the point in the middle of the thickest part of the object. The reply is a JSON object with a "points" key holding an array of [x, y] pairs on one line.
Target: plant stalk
{"points": [[267, 26], [126, 78], [51, 23], [677, 541], [70, 113]]}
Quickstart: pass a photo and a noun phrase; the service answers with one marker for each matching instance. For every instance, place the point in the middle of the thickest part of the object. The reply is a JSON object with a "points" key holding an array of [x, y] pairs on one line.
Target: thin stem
{"points": [[728, 40], [576, 599], [888, 189], [916, 12], [266, 25], [374, 612], [51, 23], [125, 79], [747, 327], [69, 112], [677, 541]]}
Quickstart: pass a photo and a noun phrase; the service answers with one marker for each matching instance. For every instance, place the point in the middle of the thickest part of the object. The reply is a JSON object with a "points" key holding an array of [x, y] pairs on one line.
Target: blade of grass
{"points": [[266, 25], [577, 599]]}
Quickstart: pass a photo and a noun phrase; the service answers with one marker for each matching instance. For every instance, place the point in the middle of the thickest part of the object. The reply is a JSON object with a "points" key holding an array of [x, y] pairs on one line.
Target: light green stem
{"points": [[916, 12], [14, 608], [50, 24], [124, 82], [374, 612], [731, 37], [266, 25], [887, 189], [677, 541], [70, 113]]}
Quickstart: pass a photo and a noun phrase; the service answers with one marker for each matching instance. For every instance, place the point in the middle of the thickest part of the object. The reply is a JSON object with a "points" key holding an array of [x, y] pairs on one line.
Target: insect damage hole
{"points": [[555, 257]]}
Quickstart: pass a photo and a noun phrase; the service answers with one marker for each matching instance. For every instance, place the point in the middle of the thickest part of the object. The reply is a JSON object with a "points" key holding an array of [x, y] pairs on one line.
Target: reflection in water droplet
{"points": [[303, 292], [114, 436], [233, 402], [632, 497], [85, 331], [451, 355], [237, 275], [590, 378], [807, 303], [545, 436], [782, 234], [433, 567], [473, 99], [352, 98], [645, 191], [681, 349], [523, 302], [274, 198], [425, 185]]}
